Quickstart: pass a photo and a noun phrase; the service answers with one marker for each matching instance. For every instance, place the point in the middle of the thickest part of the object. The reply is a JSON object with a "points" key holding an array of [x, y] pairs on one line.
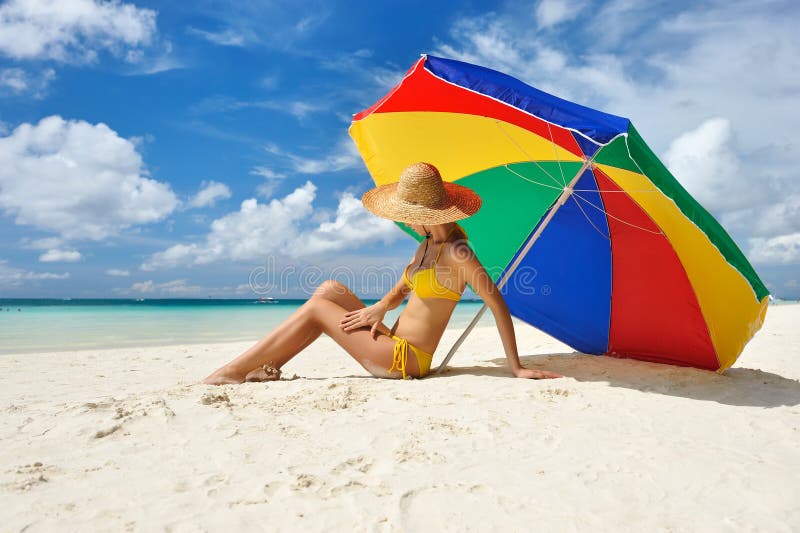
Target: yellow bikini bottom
{"points": [[400, 359]]}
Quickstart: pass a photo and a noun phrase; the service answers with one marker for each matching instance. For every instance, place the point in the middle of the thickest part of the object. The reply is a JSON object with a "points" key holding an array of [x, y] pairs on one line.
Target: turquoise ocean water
{"points": [[38, 325]]}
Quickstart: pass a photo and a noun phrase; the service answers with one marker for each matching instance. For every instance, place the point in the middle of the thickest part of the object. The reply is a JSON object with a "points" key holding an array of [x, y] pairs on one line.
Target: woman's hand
{"points": [[535, 374], [366, 316]]}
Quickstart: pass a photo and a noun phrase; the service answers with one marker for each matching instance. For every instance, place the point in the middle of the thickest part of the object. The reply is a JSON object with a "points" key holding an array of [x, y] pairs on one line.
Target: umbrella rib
{"points": [[607, 237], [555, 150], [617, 218], [616, 190], [630, 155], [530, 180], [530, 159]]}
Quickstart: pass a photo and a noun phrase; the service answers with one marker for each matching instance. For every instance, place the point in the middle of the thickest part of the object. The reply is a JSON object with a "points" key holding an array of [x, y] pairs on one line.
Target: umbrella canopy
{"points": [[587, 233]]}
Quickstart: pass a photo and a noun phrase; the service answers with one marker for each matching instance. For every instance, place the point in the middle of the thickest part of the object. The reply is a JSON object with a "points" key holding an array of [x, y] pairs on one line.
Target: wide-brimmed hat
{"points": [[422, 197]]}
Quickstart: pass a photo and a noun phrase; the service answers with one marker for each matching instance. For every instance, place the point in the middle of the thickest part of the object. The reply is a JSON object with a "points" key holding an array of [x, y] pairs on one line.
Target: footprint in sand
{"points": [[446, 426], [216, 399], [344, 398], [355, 464], [128, 411], [30, 475], [415, 504], [102, 433], [304, 482], [413, 451]]}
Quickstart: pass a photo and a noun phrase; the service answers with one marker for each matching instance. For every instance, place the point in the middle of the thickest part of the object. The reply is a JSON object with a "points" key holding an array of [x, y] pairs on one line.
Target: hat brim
{"points": [[460, 202]]}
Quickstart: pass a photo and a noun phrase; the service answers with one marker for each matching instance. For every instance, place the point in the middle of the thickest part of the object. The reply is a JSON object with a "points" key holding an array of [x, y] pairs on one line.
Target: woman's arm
{"points": [[485, 288], [396, 295], [372, 315]]}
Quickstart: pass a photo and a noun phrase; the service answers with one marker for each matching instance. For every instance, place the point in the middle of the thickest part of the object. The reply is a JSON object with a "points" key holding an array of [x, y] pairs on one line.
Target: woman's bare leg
{"points": [[320, 314], [330, 290]]}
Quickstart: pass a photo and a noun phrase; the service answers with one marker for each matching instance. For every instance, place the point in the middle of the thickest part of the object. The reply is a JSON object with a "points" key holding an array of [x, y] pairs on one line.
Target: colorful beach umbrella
{"points": [[587, 233]]}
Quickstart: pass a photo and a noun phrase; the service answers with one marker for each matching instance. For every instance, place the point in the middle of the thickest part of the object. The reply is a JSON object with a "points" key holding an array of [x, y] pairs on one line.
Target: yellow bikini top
{"points": [[424, 281]]}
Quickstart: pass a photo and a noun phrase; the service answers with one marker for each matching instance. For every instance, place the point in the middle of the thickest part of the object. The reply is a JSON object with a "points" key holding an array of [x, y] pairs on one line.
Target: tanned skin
{"points": [[334, 310]]}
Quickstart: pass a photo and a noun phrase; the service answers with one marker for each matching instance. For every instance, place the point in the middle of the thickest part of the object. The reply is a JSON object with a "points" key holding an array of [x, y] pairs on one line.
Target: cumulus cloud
{"points": [[781, 250], [77, 180], [118, 272], [706, 162], [60, 256], [279, 227], [352, 227], [72, 30], [209, 193], [16, 277]]}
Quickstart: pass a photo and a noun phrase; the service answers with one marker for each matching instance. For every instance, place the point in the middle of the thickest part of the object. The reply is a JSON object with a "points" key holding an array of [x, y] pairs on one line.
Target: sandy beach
{"points": [[126, 440]]}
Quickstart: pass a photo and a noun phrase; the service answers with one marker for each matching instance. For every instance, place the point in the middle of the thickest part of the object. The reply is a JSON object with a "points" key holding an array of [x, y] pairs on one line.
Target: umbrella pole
{"points": [[561, 201]]}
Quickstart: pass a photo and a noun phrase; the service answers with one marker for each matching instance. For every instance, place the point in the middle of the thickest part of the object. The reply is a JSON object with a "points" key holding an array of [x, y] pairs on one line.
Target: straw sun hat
{"points": [[422, 197]]}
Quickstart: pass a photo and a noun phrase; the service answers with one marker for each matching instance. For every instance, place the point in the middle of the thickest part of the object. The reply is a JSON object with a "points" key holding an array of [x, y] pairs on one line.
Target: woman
{"points": [[430, 207]]}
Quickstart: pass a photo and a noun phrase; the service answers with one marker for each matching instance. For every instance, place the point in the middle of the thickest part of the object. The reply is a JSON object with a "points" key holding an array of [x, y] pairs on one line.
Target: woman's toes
{"points": [[263, 373]]}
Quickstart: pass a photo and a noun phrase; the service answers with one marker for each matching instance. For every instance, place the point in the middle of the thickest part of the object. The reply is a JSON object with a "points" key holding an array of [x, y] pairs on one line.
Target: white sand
{"points": [[124, 439]]}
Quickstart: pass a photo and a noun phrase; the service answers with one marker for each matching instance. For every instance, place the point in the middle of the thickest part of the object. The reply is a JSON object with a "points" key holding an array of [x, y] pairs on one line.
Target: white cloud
{"points": [[16, 81], [780, 250], [209, 193], [253, 230], [705, 161], [345, 156], [118, 272], [227, 37], [16, 277], [77, 180], [271, 180], [13, 79], [266, 172], [152, 60], [224, 104], [41, 244], [72, 30], [352, 227], [60, 256], [552, 12], [270, 81], [279, 227], [174, 287]]}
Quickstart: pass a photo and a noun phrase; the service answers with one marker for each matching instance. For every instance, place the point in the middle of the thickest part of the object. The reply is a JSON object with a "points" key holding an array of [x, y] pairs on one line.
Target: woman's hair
{"points": [[460, 227]]}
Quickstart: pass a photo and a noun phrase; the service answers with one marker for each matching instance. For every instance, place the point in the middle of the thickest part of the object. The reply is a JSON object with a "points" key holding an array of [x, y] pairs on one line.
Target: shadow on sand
{"points": [[737, 386]]}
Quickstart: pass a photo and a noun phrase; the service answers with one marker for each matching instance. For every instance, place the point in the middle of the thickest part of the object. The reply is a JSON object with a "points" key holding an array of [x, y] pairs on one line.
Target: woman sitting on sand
{"points": [[430, 206]]}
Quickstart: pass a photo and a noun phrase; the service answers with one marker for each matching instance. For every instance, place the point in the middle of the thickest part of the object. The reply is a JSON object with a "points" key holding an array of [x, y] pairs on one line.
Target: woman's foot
{"points": [[224, 376], [264, 373]]}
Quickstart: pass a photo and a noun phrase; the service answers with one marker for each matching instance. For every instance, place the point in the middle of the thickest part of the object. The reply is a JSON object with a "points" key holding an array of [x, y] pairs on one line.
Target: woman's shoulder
{"points": [[458, 248]]}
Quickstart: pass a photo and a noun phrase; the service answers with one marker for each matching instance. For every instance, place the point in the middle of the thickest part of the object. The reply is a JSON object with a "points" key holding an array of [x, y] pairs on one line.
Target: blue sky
{"points": [[166, 150]]}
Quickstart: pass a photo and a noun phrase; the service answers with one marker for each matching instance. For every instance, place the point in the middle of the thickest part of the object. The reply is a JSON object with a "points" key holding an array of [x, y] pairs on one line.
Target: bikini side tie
{"points": [[400, 357]]}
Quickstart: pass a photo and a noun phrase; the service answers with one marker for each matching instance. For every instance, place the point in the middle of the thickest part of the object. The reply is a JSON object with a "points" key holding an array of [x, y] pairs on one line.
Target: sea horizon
{"points": [[30, 325]]}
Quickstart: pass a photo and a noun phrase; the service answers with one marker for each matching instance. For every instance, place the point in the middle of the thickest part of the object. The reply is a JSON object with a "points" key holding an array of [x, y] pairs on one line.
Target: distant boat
{"points": [[267, 300], [139, 299]]}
